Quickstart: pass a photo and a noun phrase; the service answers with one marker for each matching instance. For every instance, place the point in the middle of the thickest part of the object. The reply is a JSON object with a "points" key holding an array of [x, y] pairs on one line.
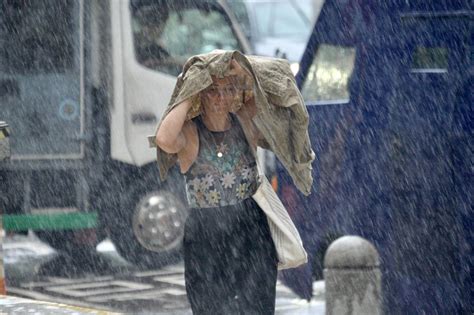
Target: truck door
{"points": [[435, 66], [41, 77]]}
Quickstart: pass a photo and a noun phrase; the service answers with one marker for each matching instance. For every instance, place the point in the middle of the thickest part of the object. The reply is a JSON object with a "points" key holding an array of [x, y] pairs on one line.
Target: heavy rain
{"points": [[316, 157]]}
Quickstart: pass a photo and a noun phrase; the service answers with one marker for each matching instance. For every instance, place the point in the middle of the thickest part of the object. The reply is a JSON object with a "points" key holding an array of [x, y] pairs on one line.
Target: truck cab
{"points": [[82, 85], [388, 88]]}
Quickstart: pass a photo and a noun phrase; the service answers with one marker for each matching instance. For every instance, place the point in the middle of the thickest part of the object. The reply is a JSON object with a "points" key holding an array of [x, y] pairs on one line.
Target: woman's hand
{"points": [[237, 70], [245, 82], [248, 109]]}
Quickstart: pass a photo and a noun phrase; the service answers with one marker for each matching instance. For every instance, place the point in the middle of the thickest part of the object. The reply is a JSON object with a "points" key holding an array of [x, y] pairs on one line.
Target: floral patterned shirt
{"points": [[225, 171]]}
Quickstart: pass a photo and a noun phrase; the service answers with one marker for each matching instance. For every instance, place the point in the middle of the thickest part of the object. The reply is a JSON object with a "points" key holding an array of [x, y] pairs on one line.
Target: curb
{"points": [[16, 305]]}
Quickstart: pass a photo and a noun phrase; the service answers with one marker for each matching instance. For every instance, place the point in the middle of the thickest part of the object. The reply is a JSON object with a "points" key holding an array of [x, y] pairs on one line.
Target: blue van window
{"points": [[430, 59], [328, 77]]}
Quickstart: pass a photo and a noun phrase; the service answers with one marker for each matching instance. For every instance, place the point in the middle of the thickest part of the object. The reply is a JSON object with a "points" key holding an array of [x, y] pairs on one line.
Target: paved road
{"points": [[36, 271]]}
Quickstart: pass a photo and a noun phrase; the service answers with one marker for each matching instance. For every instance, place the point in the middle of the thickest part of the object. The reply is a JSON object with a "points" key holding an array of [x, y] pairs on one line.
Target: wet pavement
{"points": [[16, 305], [35, 271]]}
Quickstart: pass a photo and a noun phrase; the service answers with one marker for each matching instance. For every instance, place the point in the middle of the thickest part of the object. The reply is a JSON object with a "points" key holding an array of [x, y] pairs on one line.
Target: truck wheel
{"points": [[149, 226]]}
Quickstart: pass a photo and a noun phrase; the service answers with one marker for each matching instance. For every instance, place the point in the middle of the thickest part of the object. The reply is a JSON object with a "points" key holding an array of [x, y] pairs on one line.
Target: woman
{"points": [[230, 258]]}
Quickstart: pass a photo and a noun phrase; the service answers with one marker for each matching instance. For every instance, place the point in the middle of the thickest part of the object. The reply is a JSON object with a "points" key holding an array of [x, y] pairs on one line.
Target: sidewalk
{"points": [[11, 305], [164, 294], [18, 306]]}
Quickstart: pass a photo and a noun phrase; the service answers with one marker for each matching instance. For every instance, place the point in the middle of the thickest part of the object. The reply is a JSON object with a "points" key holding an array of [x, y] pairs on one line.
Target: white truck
{"points": [[82, 83]]}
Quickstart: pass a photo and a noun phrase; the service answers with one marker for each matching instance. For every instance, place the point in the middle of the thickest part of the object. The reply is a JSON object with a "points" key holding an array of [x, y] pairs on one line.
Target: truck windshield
{"points": [[165, 37]]}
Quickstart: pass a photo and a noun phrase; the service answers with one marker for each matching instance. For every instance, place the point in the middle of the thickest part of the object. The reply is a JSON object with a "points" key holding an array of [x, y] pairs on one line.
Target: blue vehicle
{"points": [[389, 90]]}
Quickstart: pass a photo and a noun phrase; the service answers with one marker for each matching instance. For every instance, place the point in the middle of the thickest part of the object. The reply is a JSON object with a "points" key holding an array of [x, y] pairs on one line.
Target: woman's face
{"points": [[219, 97]]}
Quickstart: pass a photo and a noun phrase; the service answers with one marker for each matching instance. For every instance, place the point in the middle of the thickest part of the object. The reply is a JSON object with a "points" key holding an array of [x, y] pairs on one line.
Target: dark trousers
{"points": [[230, 260]]}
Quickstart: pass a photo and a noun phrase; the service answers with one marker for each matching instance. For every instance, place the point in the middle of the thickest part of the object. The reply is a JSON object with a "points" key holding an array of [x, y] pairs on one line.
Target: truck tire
{"points": [[148, 225]]}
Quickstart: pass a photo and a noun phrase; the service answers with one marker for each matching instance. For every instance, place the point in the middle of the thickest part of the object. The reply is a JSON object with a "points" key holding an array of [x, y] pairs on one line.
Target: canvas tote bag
{"points": [[285, 236]]}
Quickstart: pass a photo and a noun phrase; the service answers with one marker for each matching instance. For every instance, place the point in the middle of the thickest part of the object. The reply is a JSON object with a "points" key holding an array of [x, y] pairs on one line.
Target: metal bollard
{"points": [[4, 154], [353, 277]]}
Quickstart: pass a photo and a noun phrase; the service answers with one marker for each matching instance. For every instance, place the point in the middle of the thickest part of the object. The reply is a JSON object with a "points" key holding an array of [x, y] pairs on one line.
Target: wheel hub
{"points": [[158, 221]]}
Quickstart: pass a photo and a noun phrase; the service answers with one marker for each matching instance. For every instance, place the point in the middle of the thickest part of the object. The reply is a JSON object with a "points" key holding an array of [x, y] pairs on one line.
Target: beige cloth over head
{"points": [[281, 120]]}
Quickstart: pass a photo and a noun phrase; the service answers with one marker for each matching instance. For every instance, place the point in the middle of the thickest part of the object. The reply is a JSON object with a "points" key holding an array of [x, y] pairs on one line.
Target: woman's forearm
{"points": [[169, 136]]}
